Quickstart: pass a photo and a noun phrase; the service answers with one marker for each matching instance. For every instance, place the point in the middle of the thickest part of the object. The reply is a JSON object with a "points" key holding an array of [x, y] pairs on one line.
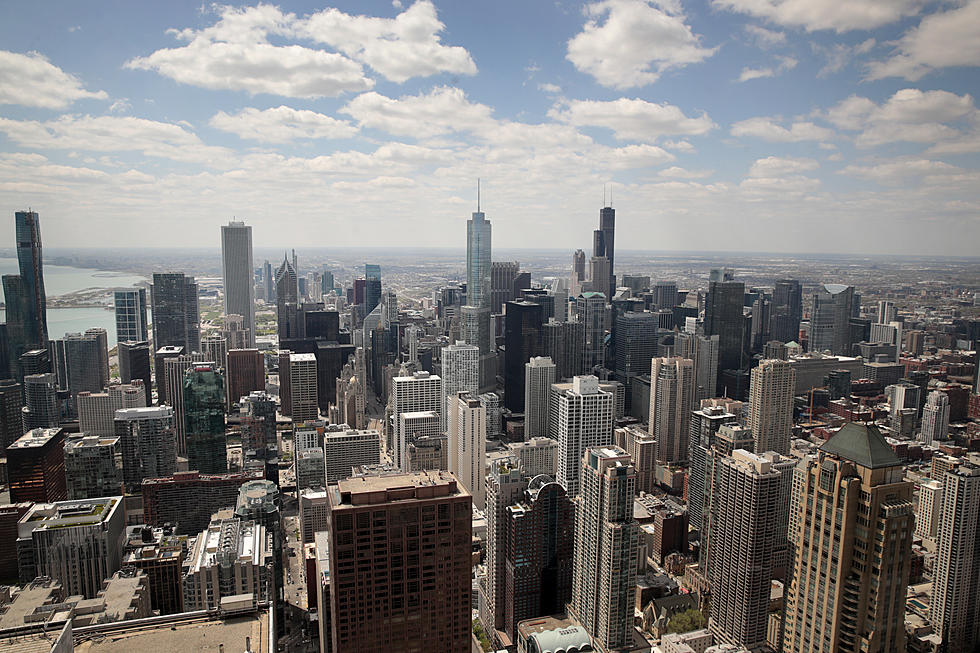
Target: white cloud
{"points": [[835, 15], [281, 124], [941, 40], [630, 43], [549, 88], [768, 129], [31, 80], [785, 63], [765, 38], [441, 111], [900, 171], [632, 119], [774, 166], [675, 172]]}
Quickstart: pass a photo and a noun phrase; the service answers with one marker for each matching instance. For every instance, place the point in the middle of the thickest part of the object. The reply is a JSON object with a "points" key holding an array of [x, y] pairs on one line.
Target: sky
{"points": [[733, 125]]}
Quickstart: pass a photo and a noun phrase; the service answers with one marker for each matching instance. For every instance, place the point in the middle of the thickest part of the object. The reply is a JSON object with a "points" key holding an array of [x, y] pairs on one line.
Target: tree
{"points": [[685, 622]]}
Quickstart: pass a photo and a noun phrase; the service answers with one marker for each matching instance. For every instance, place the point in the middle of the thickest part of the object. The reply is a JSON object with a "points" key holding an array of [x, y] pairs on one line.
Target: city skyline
{"points": [[861, 117]]}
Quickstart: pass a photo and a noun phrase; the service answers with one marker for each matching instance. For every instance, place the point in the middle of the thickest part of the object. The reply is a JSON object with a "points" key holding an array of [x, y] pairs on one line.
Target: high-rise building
{"points": [[724, 317], [186, 500], [235, 334], [131, 323], [215, 349], [634, 345], [421, 392], [372, 287], [345, 448], [743, 523], [538, 377], [86, 361], [664, 295], [303, 388], [287, 300], [161, 557], [522, 339], [642, 448], [24, 296], [578, 268], [955, 610], [147, 443], [176, 312], [236, 269], [671, 402], [134, 363], [478, 260], [93, 467], [604, 244], [244, 374], [502, 277], [460, 373], [600, 274], [258, 418], [771, 394], [929, 509], [11, 413], [850, 529], [831, 310], [563, 342], [421, 609], [580, 416], [935, 418], [606, 548], [174, 370], [590, 310], [787, 311], [467, 438], [505, 484], [204, 420], [703, 350], [536, 456], [36, 466], [42, 409], [308, 457]]}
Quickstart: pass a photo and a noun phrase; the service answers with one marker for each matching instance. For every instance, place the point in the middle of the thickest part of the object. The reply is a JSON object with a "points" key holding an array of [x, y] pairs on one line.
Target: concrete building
{"points": [[929, 508], [345, 448], [467, 437], [831, 309], [580, 416], [308, 458], [421, 392], [93, 467], [590, 310], [460, 373], [642, 448], [303, 388], [504, 485], [537, 456], [147, 443], [771, 405], [703, 350], [539, 374], [244, 374], [237, 274], [97, 411], [429, 452], [215, 349], [671, 402], [42, 410], [186, 500], [935, 418], [36, 466], [160, 555], [313, 513]]}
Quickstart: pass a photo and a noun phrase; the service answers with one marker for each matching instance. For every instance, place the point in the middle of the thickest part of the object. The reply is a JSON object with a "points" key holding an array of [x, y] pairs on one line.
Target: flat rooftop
{"points": [[204, 634], [387, 487], [35, 438]]}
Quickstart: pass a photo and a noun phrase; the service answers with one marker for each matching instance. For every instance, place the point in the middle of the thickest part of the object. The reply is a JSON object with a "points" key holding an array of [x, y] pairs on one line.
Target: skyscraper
{"points": [[935, 418], [664, 295], [604, 244], [723, 317], [538, 377], [174, 369], [92, 467], [634, 345], [563, 342], [244, 374], [502, 277], [606, 543], [590, 310], [467, 436], [372, 287], [131, 324], [11, 415], [703, 350], [671, 402], [522, 339], [771, 405], [421, 392], [204, 418], [236, 268], [176, 312], [303, 387], [580, 416], [478, 259], [86, 361], [41, 406], [851, 524], [147, 442], [134, 363], [29, 261], [460, 373], [787, 310], [830, 315], [36, 466]]}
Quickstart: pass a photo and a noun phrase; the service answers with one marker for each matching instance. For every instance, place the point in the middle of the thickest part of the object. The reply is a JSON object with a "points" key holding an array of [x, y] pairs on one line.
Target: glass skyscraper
{"points": [[130, 315], [236, 268], [204, 420], [32, 274], [478, 234], [176, 312]]}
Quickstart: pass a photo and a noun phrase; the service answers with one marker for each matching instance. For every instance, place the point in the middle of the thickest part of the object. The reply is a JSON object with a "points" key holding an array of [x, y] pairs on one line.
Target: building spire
{"points": [[477, 194]]}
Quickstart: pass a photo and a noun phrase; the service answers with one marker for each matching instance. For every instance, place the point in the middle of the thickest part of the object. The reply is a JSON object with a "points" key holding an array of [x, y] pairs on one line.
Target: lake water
{"points": [[59, 280]]}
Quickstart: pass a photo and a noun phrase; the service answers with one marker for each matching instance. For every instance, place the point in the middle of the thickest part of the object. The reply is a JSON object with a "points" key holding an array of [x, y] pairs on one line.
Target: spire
{"points": [[477, 194]]}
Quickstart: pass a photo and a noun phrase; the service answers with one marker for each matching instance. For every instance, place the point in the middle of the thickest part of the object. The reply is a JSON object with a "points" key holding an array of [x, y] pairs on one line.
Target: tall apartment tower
{"points": [[590, 310], [671, 402], [787, 311], [174, 369], [303, 387], [236, 268], [42, 409], [92, 467], [703, 350], [131, 323], [204, 420], [539, 374], [771, 405], [86, 361], [460, 373], [147, 442], [935, 418], [176, 312], [604, 244], [830, 315], [505, 484], [11, 413], [723, 317], [134, 363], [850, 530], [467, 435], [634, 345], [27, 310], [580, 416], [564, 342], [744, 544], [420, 609], [606, 547], [955, 608], [421, 392]]}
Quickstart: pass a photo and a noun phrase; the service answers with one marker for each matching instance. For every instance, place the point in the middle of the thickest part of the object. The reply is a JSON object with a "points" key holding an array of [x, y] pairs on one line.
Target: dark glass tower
{"points": [[604, 244], [372, 287], [134, 363], [32, 274], [787, 310], [176, 312], [204, 419], [723, 317], [522, 338]]}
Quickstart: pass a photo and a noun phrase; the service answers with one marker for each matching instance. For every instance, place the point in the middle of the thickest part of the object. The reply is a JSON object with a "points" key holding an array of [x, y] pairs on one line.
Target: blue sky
{"points": [[762, 125]]}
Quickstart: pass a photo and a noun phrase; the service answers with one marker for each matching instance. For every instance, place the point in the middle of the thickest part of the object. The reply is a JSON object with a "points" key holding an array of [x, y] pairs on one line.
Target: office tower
{"points": [[308, 458], [269, 283], [538, 553], [467, 436], [563, 343], [176, 312], [421, 392], [830, 315], [744, 541], [160, 555], [42, 409], [634, 345], [36, 466], [93, 466], [287, 300], [723, 317], [604, 244], [460, 373], [389, 308], [935, 418], [236, 269], [372, 287], [174, 370], [231, 557], [96, 411], [235, 334], [15, 328], [771, 405], [131, 323], [303, 387], [11, 413], [345, 448], [204, 420], [134, 364], [787, 311], [929, 509], [522, 339], [160, 358], [664, 295], [578, 268], [703, 350], [420, 609], [538, 377], [580, 416], [147, 442], [535, 456], [850, 531], [955, 608], [671, 402], [215, 350], [491, 401], [26, 303], [838, 384], [502, 277], [886, 312], [590, 310], [606, 548], [475, 327], [258, 418], [599, 275], [78, 543], [244, 374], [478, 239], [186, 500], [84, 358]]}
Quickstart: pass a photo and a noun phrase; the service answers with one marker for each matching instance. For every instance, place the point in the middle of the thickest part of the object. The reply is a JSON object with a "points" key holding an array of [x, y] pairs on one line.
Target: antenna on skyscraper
{"points": [[477, 194], [603, 194]]}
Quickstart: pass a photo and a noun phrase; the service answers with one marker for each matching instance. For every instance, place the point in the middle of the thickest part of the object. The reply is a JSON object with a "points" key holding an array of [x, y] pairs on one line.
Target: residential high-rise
{"points": [[244, 374], [134, 363], [724, 317], [505, 484], [850, 530], [96, 411], [787, 311], [502, 277], [345, 448], [538, 377], [303, 388], [604, 244], [36, 466], [536, 456], [955, 608], [831, 309], [176, 312], [236, 269], [419, 609], [287, 300], [308, 457], [467, 437], [421, 392], [215, 349], [42, 409], [522, 339], [563, 342], [671, 402], [703, 350], [26, 302], [186, 500], [606, 548], [743, 542], [204, 419], [580, 416], [147, 442], [460, 373], [86, 361], [93, 467], [771, 394], [590, 310], [258, 418], [131, 323], [935, 418], [929, 509], [634, 345]]}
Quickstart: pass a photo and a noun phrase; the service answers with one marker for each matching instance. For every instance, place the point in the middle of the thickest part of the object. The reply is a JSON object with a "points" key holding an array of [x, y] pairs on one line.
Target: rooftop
{"points": [[862, 444], [387, 487], [35, 438], [179, 634]]}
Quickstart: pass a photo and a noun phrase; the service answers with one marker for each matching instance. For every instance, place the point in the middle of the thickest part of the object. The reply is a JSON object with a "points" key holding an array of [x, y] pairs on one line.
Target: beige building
{"points": [[929, 508], [771, 405], [468, 443], [671, 402]]}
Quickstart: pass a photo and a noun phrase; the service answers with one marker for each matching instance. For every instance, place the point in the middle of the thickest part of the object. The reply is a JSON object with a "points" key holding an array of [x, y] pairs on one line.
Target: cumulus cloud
{"points": [[900, 171], [632, 119], [281, 124], [765, 38], [630, 43], [31, 80], [785, 63], [769, 129], [675, 172], [441, 111], [813, 15], [775, 166], [841, 55]]}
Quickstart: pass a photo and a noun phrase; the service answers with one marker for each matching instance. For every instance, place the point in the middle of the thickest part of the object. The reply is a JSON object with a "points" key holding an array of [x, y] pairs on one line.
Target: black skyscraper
{"points": [[604, 244], [723, 317], [372, 287], [134, 363], [522, 339], [787, 310], [176, 312], [32, 272]]}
